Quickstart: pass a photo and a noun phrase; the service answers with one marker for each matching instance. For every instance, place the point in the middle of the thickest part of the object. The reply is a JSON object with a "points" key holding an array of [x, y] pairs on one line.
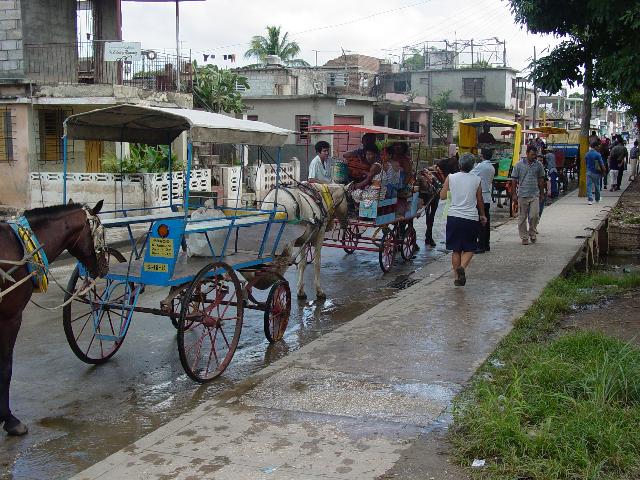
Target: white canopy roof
{"points": [[160, 126]]}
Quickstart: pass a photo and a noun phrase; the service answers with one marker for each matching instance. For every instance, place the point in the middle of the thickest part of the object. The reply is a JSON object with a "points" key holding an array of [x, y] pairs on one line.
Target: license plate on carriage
{"points": [[156, 267]]}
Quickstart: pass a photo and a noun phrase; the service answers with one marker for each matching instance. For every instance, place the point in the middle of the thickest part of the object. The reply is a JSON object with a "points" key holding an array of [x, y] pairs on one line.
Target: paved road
{"points": [[79, 414]]}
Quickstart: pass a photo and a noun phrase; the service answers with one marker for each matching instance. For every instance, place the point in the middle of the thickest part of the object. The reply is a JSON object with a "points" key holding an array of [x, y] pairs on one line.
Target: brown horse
{"points": [[70, 227]]}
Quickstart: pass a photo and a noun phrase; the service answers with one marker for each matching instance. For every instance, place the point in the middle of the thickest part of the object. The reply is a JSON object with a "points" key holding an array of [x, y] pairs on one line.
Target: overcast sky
{"points": [[376, 27]]}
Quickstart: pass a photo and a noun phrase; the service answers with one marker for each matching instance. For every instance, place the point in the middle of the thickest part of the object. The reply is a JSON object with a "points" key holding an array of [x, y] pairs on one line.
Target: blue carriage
{"points": [[207, 294]]}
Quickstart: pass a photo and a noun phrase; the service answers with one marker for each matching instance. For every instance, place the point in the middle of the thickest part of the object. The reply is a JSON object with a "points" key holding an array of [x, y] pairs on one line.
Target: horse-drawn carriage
{"points": [[505, 153], [207, 295], [383, 223]]}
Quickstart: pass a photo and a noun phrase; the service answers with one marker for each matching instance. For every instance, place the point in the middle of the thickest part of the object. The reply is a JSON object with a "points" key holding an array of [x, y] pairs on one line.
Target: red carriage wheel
{"points": [[408, 246], [350, 238], [387, 252], [210, 322], [94, 331], [278, 309]]}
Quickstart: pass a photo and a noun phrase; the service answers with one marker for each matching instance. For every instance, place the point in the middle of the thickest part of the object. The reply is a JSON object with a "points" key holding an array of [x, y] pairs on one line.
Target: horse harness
{"points": [[34, 256]]}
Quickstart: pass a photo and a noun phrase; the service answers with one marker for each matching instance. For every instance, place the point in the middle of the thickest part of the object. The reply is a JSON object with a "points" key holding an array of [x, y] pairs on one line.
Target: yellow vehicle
{"points": [[473, 137], [471, 129]]}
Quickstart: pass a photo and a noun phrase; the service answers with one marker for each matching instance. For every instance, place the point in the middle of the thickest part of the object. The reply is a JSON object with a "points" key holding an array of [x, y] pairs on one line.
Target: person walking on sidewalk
{"points": [[462, 217], [527, 185], [617, 159], [486, 172], [633, 161], [595, 169]]}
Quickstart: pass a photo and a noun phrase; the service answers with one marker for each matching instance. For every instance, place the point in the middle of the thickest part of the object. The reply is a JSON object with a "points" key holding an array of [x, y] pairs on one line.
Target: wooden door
{"points": [[93, 153]]}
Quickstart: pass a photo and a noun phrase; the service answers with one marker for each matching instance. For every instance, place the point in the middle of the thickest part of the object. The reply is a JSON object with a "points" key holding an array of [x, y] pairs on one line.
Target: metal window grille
{"points": [[50, 132], [468, 87], [338, 79], [6, 136], [240, 87], [302, 127]]}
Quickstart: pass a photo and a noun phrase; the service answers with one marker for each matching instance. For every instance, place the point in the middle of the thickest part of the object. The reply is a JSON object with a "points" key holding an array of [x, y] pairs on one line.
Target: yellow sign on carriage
{"points": [[161, 247], [156, 267]]}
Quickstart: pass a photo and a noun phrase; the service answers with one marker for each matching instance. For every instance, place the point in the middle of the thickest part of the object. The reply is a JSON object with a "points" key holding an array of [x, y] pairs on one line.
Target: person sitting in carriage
{"points": [[374, 185], [356, 159], [395, 173]]}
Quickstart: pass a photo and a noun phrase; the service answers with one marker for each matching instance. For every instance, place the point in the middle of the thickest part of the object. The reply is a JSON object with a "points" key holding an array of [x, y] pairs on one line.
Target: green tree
{"points": [[599, 48], [274, 44], [441, 119], [216, 89], [415, 60]]}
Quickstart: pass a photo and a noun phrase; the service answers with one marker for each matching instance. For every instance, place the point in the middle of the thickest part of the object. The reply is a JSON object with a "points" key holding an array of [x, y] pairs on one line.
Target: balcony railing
{"points": [[83, 62]]}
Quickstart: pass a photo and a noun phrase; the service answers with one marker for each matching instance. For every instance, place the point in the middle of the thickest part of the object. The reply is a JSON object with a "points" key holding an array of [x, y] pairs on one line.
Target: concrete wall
{"points": [[497, 87], [282, 113], [14, 189], [11, 41], [47, 22]]}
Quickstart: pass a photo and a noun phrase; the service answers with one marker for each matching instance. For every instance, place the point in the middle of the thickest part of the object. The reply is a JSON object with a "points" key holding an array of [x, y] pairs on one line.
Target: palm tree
{"points": [[272, 44], [216, 89]]}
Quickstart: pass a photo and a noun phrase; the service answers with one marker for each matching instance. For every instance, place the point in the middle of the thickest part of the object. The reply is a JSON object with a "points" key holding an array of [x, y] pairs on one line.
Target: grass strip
{"points": [[545, 407]]}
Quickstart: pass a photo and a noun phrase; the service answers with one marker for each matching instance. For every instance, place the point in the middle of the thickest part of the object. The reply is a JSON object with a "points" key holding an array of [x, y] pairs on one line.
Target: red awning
{"points": [[365, 129]]}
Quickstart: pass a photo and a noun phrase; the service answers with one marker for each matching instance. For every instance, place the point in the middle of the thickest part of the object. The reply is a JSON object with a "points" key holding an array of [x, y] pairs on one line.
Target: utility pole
{"points": [[178, 43], [472, 59], [474, 97], [504, 53], [535, 95]]}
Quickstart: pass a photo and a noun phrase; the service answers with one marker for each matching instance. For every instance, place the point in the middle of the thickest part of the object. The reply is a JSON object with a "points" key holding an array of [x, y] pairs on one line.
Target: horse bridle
{"points": [[97, 236]]}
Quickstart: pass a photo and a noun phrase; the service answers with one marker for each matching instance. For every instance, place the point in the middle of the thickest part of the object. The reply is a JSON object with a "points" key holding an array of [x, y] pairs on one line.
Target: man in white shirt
{"points": [[486, 171], [318, 166]]}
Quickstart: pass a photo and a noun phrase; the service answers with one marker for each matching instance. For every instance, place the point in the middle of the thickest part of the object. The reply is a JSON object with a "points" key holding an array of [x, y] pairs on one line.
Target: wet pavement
{"points": [[79, 414], [352, 403]]}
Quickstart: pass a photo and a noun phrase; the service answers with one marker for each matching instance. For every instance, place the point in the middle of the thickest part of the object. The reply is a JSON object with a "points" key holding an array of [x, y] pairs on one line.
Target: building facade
{"points": [[345, 90], [53, 65]]}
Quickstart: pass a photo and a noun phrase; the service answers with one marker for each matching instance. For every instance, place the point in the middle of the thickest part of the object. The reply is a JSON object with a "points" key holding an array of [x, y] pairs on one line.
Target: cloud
{"points": [[376, 27]]}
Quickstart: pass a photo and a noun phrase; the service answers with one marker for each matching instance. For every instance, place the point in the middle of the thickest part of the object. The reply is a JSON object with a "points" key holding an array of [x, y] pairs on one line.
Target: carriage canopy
{"points": [[366, 129], [468, 133], [161, 126]]}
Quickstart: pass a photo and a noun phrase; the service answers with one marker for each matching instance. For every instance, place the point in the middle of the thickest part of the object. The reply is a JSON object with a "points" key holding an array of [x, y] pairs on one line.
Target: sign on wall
{"points": [[114, 51]]}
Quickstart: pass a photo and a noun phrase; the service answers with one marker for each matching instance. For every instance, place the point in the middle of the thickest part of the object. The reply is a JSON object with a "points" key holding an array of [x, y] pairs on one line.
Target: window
{"points": [[513, 88], [364, 81], [468, 87], [50, 126], [338, 79], [424, 80], [302, 127], [400, 86], [239, 86], [6, 136], [253, 118]]}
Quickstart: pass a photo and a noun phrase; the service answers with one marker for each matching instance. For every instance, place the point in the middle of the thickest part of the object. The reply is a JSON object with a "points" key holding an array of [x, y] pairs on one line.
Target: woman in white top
{"points": [[463, 220]]}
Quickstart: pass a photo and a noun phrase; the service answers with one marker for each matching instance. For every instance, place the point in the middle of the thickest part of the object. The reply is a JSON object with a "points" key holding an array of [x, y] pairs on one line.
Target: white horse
{"points": [[304, 207]]}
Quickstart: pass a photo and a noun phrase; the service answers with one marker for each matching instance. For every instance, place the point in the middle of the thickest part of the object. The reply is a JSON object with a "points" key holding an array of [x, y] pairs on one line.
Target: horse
{"points": [[306, 204], [73, 227], [442, 168]]}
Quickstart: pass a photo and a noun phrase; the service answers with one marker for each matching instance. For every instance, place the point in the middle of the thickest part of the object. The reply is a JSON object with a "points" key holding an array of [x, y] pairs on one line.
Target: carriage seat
{"points": [[125, 221]]}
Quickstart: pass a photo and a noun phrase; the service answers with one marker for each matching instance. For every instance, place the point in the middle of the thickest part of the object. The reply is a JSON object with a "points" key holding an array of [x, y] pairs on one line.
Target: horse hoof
{"points": [[302, 296], [321, 295], [15, 427]]}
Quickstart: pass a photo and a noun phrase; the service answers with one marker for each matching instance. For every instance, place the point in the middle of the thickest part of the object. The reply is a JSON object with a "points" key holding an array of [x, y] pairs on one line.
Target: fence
{"points": [[82, 62], [138, 190]]}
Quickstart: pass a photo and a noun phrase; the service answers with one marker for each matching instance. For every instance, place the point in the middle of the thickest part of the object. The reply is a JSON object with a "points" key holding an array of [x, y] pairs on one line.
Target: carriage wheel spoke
{"points": [[213, 347], [224, 336], [197, 355]]}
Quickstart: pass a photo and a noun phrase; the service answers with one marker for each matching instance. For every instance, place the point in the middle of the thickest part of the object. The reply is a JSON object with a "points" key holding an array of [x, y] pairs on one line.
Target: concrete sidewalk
{"points": [[356, 403]]}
